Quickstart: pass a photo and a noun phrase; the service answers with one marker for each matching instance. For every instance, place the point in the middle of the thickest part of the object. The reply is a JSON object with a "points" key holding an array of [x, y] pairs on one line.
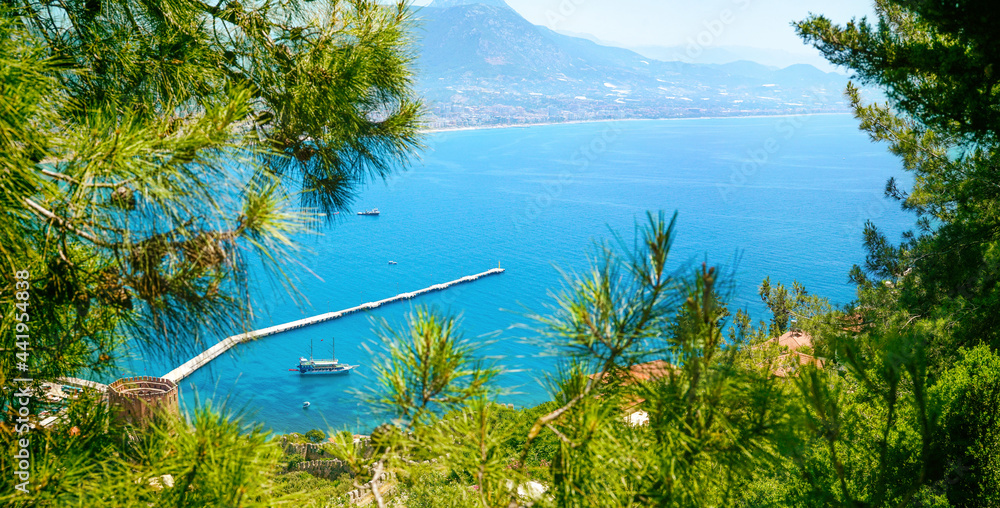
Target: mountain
{"points": [[746, 68], [725, 54], [444, 4], [592, 38], [481, 62], [494, 39]]}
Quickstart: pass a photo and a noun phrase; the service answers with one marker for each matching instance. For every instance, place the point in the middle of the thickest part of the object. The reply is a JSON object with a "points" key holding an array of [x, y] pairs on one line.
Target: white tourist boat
{"points": [[312, 366]]}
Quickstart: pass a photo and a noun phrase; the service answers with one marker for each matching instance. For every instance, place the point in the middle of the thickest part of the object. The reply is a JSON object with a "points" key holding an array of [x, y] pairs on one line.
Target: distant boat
{"points": [[373, 211], [305, 404], [392, 262], [311, 366]]}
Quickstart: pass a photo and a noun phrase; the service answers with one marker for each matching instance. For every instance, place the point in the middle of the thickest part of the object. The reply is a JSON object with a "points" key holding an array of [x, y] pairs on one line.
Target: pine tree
{"points": [[148, 152]]}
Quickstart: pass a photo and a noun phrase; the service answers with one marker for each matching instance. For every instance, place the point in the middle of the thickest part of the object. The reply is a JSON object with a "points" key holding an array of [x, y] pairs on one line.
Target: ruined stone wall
{"points": [[364, 495], [314, 451], [329, 469]]}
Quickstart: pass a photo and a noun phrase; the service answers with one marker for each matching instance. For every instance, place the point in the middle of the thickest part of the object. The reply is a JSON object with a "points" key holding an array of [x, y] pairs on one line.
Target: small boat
{"points": [[306, 404], [373, 211], [312, 366], [392, 262]]}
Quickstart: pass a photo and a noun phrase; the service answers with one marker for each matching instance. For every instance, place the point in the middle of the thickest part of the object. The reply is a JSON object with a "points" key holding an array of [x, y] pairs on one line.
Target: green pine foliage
{"points": [[966, 406], [148, 152], [936, 63]]}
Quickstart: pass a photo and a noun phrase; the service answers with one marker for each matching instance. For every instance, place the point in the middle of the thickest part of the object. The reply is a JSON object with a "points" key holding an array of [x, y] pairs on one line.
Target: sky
{"points": [[708, 23]]}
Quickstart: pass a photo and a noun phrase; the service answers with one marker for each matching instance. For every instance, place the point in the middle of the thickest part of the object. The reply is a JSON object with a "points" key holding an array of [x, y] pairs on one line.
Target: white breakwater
{"points": [[222, 346], [82, 383]]}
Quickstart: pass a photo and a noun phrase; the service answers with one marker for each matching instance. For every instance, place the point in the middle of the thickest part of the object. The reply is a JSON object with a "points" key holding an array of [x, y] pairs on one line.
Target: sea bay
{"points": [[785, 197]]}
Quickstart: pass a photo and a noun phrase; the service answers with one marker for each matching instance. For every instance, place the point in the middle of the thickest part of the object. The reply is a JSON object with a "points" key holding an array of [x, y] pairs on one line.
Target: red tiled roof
{"points": [[788, 361], [793, 340]]}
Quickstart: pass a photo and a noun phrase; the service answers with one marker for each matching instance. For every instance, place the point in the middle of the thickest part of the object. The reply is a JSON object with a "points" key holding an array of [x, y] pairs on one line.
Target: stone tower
{"points": [[135, 400]]}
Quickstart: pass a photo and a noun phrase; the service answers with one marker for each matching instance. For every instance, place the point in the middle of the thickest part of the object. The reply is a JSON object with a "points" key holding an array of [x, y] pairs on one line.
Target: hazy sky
{"points": [[756, 23]]}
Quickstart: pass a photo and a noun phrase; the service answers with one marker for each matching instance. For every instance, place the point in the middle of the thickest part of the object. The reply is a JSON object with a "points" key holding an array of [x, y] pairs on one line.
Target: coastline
{"points": [[607, 120]]}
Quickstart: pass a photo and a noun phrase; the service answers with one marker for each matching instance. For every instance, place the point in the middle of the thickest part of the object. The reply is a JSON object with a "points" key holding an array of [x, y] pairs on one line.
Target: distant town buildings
{"points": [[481, 105]]}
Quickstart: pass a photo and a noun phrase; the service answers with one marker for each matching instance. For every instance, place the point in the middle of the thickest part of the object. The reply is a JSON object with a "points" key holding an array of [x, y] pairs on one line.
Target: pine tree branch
{"points": [[62, 223], [74, 181]]}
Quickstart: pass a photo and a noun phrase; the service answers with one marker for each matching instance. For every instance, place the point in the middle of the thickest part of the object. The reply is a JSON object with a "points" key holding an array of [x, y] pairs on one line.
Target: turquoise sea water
{"points": [[785, 197]]}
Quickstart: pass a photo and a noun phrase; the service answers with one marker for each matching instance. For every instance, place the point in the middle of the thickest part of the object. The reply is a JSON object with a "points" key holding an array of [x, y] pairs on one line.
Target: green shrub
{"points": [[316, 436]]}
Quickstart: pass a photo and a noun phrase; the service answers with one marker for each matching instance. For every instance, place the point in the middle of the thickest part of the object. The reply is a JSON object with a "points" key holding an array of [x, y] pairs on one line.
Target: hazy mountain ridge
{"points": [[444, 4], [483, 63], [725, 54]]}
